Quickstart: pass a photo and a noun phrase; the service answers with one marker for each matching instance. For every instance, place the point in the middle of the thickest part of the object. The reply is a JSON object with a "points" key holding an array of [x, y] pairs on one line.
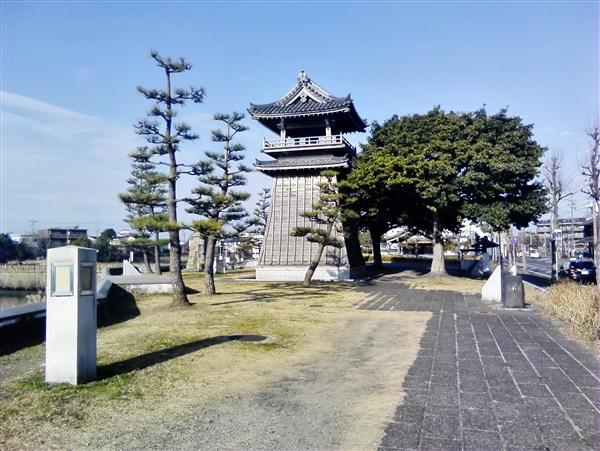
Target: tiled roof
{"points": [[301, 108], [306, 163], [307, 98]]}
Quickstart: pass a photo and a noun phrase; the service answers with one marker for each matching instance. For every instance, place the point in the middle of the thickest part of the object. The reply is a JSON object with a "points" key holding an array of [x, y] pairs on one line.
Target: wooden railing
{"points": [[308, 141]]}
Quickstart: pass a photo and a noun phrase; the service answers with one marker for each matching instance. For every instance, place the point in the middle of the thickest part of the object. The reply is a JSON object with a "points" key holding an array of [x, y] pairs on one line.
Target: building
{"points": [[57, 237], [31, 240], [310, 124], [570, 236]]}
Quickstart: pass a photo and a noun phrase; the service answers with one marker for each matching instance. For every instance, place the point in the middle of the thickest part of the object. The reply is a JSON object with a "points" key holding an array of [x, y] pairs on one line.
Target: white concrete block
{"points": [[71, 315], [492, 289], [296, 273], [129, 269]]}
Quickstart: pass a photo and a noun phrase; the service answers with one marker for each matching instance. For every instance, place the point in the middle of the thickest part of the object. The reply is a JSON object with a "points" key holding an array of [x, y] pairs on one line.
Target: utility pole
{"points": [[571, 239], [554, 262], [523, 259], [33, 222]]}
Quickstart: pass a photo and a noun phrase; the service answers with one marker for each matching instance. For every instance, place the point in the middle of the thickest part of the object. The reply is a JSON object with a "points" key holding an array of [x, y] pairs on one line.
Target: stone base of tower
{"points": [[296, 273]]}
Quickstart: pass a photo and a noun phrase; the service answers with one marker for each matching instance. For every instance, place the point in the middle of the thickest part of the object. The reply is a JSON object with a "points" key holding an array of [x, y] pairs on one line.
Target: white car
{"points": [[534, 253]]}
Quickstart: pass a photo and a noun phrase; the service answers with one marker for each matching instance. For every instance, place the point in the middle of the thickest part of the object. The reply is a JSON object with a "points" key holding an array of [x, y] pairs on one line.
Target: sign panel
{"points": [[86, 278], [62, 279]]}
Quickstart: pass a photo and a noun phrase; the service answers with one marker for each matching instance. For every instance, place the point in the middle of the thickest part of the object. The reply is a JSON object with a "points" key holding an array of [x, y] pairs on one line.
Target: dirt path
{"points": [[340, 397]]}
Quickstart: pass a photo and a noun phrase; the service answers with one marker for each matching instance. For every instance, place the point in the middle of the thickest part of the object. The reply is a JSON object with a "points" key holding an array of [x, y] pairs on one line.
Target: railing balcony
{"points": [[287, 144]]}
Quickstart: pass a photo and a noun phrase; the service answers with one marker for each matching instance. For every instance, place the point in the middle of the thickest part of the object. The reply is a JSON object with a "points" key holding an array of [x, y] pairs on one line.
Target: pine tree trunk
{"points": [[438, 263], [353, 249], [313, 266], [375, 233], [179, 296], [157, 258], [147, 261], [209, 260]]}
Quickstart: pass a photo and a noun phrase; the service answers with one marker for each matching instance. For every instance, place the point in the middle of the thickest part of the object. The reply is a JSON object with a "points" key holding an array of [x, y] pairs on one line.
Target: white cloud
{"points": [[69, 166], [9, 100]]}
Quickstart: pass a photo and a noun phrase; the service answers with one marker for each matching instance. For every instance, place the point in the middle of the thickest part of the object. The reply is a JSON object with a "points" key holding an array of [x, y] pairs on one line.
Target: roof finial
{"points": [[302, 76]]}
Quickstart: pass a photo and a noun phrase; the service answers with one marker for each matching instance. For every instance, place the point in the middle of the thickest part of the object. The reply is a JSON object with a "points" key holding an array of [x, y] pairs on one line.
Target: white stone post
{"points": [[71, 315]]}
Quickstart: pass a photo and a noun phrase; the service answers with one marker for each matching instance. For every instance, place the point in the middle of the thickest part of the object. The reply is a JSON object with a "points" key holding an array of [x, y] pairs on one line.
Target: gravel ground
{"points": [[340, 398]]}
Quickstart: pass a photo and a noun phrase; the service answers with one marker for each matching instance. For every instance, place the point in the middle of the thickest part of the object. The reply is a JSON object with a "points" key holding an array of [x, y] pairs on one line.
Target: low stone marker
{"points": [[71, 315], [513, 294], [492, 289]]}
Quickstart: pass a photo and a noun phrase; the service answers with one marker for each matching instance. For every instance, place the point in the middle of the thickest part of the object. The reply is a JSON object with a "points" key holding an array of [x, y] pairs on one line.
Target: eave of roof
{"points": [[315, 163]]}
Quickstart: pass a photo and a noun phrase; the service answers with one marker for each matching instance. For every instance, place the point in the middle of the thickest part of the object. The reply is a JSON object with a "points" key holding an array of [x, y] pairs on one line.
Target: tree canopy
{"points": [[432, 171], [217, 200]]}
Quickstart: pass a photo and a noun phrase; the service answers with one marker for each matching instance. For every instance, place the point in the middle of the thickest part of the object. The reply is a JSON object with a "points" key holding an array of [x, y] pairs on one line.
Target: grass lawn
{"points": [[149, 365]]}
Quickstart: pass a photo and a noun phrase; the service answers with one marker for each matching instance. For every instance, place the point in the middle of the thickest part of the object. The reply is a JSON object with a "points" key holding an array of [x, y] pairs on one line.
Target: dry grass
{"points": [[575, 303], [149, 366], [23, 280]]}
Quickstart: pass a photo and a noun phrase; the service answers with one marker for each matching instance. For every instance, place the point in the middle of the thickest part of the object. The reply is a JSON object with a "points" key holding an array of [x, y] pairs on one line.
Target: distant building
{"points": [[570, 235], [123, 237], [31, 240], [56, 237]]}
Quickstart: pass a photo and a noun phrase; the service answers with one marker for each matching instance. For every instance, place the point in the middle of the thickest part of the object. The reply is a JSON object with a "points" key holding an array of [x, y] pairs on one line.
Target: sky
{"points": [[69, 72]]}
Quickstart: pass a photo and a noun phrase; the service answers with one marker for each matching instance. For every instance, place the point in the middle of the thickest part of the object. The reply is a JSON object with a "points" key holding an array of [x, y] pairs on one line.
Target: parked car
{"points": [[579, 271], [534, 253]]}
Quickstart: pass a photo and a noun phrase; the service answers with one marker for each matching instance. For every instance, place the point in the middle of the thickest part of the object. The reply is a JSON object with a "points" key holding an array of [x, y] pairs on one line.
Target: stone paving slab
{"points": [[489, 378]]}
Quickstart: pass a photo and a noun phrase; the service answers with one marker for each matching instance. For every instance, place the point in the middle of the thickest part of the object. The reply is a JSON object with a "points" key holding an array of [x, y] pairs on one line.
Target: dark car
{"points": [[579, 271]]}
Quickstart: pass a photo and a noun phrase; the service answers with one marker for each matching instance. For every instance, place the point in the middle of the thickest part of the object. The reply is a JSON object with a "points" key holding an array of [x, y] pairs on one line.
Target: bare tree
{"points": [[556, 186], [591, 171]]}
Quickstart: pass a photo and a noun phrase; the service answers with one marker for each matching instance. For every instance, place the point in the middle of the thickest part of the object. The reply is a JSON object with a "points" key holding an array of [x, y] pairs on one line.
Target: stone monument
{"points": [[71, 315], [310, 124]]}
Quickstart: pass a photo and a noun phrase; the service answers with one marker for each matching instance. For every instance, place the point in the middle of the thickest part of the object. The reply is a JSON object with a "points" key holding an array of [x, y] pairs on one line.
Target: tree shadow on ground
{"points": [[155, 357], [287, 290], [118, 306], [419, 268]]}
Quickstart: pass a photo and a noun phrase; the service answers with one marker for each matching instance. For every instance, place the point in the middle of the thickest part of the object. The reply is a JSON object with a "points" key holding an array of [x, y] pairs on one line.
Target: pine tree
{"points": [[165, 136], [261, 215], [326, 217], [145, 200], [216, 200]]}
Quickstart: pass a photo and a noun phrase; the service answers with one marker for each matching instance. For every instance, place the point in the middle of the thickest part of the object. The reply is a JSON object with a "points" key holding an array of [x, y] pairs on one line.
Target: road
{"points": [[538, 270]]}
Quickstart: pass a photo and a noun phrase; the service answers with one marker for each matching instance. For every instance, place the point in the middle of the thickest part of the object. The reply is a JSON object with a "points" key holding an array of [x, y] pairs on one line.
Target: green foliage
{"points": [[326, 214], [8, 248], [216, 200], [261, 212], [441, 168], [82, 241], [106, 251], [145, 200], [165, 135]]}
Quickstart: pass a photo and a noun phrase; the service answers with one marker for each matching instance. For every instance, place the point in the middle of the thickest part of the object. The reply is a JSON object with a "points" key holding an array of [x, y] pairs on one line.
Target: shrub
{"points": [[23, 280], [577, 304]]}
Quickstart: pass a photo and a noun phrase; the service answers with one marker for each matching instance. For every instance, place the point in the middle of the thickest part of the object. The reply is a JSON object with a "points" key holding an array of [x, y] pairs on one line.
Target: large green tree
{"points": [[440, 168], [165, 136], [217, 200]]}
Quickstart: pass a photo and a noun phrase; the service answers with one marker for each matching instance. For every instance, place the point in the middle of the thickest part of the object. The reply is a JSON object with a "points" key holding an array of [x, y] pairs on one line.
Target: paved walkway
{"points": [[488, 378]]}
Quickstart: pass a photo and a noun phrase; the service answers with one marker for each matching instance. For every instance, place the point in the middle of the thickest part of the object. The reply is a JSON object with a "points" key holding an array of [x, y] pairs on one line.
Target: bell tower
{"points": [[310, 124]]}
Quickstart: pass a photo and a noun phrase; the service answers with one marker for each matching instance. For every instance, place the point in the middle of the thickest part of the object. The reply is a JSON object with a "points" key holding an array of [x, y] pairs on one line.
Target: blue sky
{"points": [[69, 73]]}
